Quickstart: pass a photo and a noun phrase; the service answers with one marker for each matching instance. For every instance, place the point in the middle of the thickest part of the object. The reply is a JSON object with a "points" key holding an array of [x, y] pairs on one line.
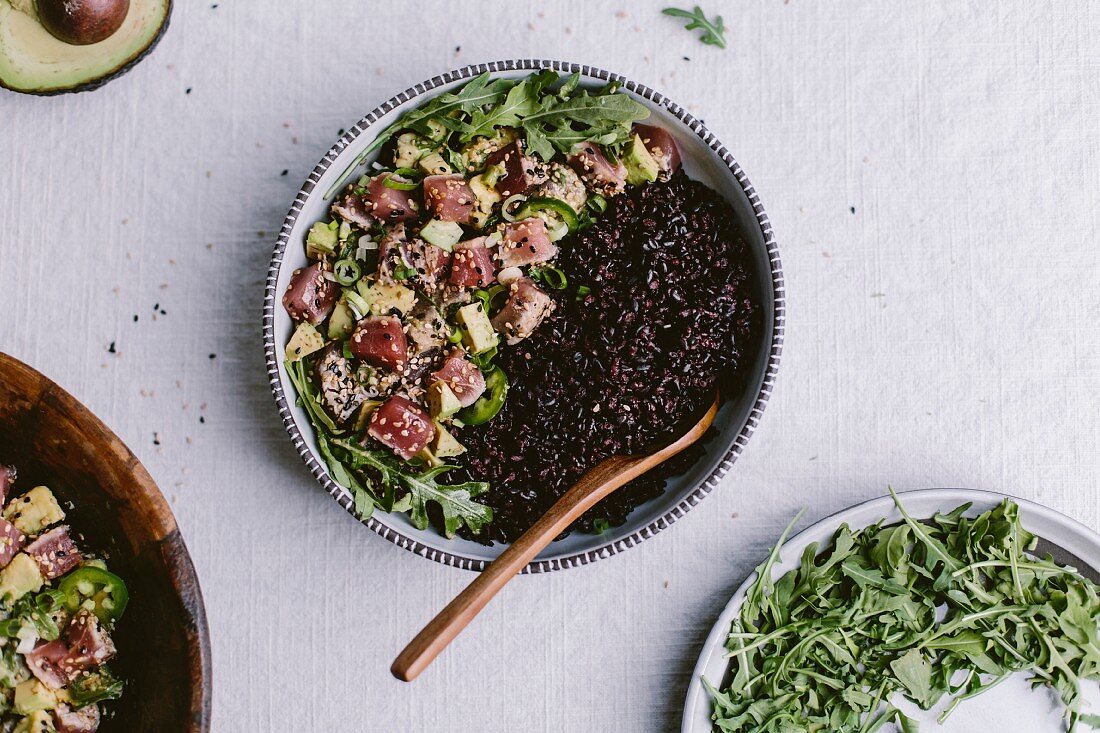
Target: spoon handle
{"points": [[604, 478], [601, 480]]}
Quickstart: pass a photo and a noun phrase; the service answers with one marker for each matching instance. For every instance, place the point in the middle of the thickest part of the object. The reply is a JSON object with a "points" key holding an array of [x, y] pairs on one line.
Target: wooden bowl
{"points": [[163, 643]]}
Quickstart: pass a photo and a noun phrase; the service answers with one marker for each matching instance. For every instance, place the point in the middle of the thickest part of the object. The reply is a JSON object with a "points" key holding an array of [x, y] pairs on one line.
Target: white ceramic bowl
{"points": [[1009, 708], [705, 159]]}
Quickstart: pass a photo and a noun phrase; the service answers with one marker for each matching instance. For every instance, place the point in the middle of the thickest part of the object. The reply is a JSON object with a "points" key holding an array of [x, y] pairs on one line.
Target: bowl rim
{"points": [[170, 545], [703, 487]]}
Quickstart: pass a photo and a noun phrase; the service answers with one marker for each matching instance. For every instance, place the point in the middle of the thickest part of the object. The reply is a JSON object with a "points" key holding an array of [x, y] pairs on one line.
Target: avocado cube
{"points": [[429, 458], [446, 445], [479, 149], [305, 341], [321, 240], [20, 577], [383, 298], [34, 511], [437, 130], [442, 400], [478, 330], [443, 234], [341, 322], [37, 722], [641, 166], [409, 150], [433, 165], [487, 197], [32, 696]]}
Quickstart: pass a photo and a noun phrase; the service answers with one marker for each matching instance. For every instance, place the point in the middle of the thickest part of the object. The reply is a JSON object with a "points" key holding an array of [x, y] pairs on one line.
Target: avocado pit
{"points": [[83, 22]]}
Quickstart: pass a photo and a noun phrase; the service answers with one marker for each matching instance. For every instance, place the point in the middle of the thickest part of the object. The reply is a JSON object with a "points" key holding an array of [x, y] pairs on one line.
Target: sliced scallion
{"points": [[552, 276], [597, 203], [506, 208], [358, 304]]}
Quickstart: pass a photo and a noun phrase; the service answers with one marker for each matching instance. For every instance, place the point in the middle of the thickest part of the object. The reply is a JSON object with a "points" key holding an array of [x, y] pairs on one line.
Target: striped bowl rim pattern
{"points": [[704, 487]]}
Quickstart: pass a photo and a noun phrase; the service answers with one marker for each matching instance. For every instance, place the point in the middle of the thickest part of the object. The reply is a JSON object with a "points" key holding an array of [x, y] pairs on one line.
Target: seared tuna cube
{"points": [[354, 208], [527, 306], [462, 376], [428, 263], [662, 146], [90, 645], [11, 542], [449, 198], [7, 478], [46, 662], [55, 552], [391, 253], [341, 392], [83, 720], [564, 184], [599, 173], [380, 341], [525, 243], [390, 204], [311, 296], [427, 330], [402, 426], [521, 172], [472, 266]]}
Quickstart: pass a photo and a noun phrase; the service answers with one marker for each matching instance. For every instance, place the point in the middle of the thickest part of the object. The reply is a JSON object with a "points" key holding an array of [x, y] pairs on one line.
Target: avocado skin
{"points": [[92, 84]]}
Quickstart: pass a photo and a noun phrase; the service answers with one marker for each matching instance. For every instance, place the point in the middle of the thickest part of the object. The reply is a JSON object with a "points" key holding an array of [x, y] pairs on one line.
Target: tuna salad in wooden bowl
{"points": [[102, 626], [504, 276]]}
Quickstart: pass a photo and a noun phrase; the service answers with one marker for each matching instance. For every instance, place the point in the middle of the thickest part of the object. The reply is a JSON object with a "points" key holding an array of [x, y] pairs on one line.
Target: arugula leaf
{"points": [[308, 397], [364, 498], [522, 100], [713, 31], [95, 687], [455, 500], [36, 611], [946, 607], [914, 672], [13, 669], [551, 118], [468, 98]]}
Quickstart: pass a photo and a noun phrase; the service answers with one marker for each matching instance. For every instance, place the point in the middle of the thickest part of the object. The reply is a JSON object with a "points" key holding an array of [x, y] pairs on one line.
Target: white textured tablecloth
{"points": [[932, 173]]}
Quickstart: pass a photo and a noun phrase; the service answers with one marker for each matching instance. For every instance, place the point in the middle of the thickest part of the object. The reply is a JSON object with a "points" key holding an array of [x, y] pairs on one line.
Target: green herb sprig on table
{"points": [[935, 611], [713, 32]]}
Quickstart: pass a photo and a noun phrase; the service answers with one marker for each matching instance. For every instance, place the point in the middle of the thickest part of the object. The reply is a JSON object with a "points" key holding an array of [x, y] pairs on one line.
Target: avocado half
{"points": [[32, 61]]}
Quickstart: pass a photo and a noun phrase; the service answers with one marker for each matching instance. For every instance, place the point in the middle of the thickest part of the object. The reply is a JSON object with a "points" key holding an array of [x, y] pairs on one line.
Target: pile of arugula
{"points": [[552, 116], [375, 478], [934, 611]]}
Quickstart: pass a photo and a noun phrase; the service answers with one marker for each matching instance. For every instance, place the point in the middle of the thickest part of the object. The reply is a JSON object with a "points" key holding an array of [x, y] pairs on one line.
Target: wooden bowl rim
{"points": [[178, 564]]}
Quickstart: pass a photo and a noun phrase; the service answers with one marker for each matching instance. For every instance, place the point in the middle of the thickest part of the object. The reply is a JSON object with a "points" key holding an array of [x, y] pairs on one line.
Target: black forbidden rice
{"points": [[672, 316]]}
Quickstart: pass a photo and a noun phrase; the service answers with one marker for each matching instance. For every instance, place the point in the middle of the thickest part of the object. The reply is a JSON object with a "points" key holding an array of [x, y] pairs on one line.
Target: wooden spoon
{"points": [[604, 478]]}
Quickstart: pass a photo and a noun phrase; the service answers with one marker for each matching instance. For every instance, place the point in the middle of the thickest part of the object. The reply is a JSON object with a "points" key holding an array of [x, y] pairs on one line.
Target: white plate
{"points": [[1011, 707]]}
